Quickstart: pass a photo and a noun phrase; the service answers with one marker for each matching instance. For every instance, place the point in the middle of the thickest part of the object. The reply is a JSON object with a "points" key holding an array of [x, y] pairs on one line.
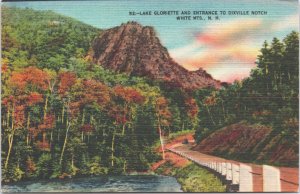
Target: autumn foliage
{"points": [[34, 98], [87, 128], [29, 77], [128, 94], [192, 107], [67, 80]]}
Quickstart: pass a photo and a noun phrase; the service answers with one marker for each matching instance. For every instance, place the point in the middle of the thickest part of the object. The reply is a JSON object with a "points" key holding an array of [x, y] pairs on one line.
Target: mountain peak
{"points": [[136, 50], [202, 72], [132, 23]]}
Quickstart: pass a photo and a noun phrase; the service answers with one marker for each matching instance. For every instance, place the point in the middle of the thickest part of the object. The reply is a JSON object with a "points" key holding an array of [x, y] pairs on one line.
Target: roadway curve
{"points": [[289, 177]]}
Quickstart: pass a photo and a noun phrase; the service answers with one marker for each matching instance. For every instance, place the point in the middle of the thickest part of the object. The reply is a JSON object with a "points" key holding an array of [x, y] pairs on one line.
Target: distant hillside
{"points": [[43, 38], [136, 50]]}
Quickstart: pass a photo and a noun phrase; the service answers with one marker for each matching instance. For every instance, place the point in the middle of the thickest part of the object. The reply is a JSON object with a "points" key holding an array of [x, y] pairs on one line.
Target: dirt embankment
{"points": [[251, 143], [241, 142]]}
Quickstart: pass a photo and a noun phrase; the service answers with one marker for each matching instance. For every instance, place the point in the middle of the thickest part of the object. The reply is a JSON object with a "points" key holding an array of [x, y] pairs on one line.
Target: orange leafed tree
{"points": [[122, 112], [47, 124], [95, 92], [30, 77], [34, 98], [25, 91], [17, 122], [67, 80], [90, 93], [128, 97], [129, 94]]}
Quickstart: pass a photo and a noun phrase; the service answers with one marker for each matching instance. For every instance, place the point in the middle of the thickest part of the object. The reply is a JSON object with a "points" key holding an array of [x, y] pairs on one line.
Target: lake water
{"points": [[130, 183]]}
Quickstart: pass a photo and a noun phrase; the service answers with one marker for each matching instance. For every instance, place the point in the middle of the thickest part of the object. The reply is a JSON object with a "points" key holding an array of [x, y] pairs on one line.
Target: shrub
{"points": [[43, 166]]}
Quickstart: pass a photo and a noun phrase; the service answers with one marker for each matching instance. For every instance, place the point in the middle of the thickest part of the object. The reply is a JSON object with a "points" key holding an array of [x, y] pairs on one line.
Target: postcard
{"points": [[150, 96]]}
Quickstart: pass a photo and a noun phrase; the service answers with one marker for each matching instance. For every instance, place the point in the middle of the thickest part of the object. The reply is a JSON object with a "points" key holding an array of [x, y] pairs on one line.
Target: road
{"points": [[289, 177]]}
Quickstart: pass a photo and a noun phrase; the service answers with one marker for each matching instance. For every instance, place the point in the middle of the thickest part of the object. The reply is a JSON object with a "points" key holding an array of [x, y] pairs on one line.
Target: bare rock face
{"points": [[136, 50]]}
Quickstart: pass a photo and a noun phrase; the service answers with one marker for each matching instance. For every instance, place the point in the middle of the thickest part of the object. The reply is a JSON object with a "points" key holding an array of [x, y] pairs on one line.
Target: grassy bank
{"points": [[192, 178]]}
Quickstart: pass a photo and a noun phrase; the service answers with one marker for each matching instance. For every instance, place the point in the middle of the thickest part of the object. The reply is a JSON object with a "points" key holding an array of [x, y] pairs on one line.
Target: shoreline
{"points": [[148, 173], [115, 183], [192, 178]]}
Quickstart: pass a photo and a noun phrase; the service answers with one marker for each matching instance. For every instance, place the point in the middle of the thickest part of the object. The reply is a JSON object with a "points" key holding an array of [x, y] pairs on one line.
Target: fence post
{"points": [[228, 171], [220, 167], [215, 166], [271, 179], [246, 178], [235, 174], [224, 169]]}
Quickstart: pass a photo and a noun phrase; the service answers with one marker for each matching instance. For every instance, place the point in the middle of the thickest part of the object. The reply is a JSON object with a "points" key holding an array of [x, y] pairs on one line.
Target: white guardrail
{"points": [[238, 174]]}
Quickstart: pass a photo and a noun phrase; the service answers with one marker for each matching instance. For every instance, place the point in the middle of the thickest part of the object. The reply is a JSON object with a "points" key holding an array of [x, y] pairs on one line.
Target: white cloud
{"points": [[288, 22]]}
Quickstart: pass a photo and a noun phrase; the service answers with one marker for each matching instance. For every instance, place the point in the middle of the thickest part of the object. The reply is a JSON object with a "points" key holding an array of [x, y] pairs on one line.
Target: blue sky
{"points": [[226, 48]]}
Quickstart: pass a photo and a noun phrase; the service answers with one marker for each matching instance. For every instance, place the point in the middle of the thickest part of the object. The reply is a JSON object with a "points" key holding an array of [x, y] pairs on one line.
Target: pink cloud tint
{"points": [[228, 50], [225, 49]]}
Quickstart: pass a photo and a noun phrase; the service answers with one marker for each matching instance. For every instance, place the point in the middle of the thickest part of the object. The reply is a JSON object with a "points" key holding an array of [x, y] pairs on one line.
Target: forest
{"points": [[268, 97], [63, 116]]}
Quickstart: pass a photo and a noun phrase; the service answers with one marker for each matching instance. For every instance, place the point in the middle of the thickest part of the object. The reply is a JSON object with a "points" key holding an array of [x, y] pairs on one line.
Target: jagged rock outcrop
{"points": [[136, 50]]}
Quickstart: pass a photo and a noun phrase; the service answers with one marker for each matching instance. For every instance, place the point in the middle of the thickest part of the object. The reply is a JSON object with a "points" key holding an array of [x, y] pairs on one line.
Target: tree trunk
{"points": [[112, 148], [27, 139], [51, 137], [161, 142], [210, 115], [46, 107], [58, 118], [82, 123], [3, 121], [124, 167], [62, 114], [28, 125], [83, 118], [58, 134], [10, 140], [123, 129], [10, 143], [7, 120], [124, 125], [72, 161], [64, 146]]}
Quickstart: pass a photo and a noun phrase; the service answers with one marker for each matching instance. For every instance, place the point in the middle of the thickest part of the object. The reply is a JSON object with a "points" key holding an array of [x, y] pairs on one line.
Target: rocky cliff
{"points": [[136, 50]]}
